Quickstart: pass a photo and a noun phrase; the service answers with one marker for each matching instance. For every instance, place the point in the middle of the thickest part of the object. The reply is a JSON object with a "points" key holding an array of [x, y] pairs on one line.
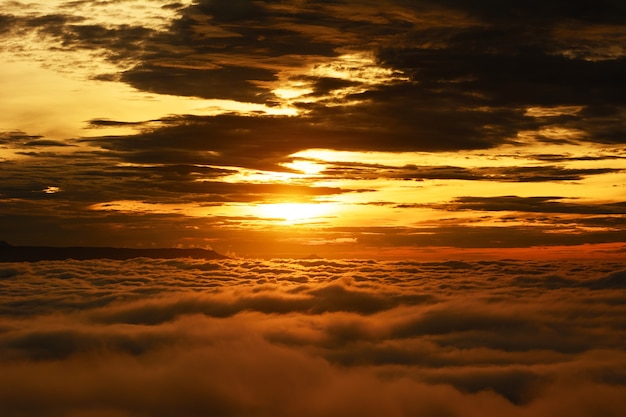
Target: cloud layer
{"points": [[312, 337]]}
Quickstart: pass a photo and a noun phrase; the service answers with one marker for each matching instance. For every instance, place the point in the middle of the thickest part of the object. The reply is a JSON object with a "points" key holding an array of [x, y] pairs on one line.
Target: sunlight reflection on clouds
{"points": [[312, 337]]}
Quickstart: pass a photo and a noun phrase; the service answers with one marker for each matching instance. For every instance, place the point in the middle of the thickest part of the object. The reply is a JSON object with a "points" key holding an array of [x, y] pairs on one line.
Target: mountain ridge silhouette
{"points": [[10, 253]]}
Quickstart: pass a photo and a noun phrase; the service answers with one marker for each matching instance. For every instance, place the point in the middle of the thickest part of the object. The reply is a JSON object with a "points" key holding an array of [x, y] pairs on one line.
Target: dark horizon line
{"points": [[10, 253]]}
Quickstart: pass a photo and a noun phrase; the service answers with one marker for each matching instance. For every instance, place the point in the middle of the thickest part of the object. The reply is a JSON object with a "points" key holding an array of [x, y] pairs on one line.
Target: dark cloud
{"points": [[614, 280], [565, 158], [233, 12], [499, 67], [546, 173], [227, 82], [514, 58], [212, 50], [18, 138], [46, 142], [537, 11], [109, 123], [464, 234], [10, 272], [262, 142], [85, 180], [471, 92], [467, 82], [537, 204], [322, 86], [6, 23]]}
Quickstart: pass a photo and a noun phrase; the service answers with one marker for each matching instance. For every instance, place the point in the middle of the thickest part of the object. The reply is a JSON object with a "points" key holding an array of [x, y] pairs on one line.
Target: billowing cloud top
{"points": [[312, 337]]}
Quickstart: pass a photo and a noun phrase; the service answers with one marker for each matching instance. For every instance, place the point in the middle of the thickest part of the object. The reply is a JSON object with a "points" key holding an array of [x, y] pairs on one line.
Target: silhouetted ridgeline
{"points": [[10, 253]]}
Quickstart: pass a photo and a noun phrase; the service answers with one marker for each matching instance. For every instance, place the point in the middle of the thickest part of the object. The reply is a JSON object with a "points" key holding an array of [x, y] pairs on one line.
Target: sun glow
{"points": [[292, 92], [295, 212], [306, 167]]}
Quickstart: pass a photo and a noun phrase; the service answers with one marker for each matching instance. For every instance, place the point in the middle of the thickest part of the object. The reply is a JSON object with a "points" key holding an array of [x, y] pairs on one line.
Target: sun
{"points": [[295, 212], [304, 166]]}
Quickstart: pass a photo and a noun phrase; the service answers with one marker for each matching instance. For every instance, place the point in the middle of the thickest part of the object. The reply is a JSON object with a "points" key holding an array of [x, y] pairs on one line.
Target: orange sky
{"points": [[387, 129]]}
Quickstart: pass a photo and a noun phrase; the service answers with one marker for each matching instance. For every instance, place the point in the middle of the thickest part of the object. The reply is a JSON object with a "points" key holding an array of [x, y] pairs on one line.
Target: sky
{"points": [[299, 337], [349, 129]]}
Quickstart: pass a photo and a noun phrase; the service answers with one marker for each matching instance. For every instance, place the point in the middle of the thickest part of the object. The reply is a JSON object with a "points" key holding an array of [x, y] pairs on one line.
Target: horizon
{"points": [[584, 253]]}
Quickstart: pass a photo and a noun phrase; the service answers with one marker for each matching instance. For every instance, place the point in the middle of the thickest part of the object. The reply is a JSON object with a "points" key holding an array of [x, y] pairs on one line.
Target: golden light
{"points": [[541, 111], [106, 13], [52, 89], [361, 67], [306, 167], [295, 212], [51, 189], [292, 92], [58, 104]]}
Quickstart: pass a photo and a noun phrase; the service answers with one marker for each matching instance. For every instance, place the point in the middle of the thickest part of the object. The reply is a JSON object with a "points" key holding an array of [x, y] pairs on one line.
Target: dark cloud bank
{"points": [[469, 74], [312, 337]]}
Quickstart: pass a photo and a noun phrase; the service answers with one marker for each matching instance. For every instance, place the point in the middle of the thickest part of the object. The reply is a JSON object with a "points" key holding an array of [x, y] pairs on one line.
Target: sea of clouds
{"points": [[192, 338]]}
